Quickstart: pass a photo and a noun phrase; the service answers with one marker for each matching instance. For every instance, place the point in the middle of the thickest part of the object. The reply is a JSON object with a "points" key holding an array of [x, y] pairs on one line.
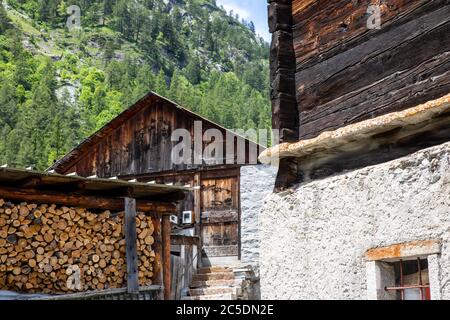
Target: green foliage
{"points": [[4, 20], [190, 51]]}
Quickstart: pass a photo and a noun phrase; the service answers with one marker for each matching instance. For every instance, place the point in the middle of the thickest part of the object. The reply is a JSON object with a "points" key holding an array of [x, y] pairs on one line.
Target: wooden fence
{"points": [[183, 263]]}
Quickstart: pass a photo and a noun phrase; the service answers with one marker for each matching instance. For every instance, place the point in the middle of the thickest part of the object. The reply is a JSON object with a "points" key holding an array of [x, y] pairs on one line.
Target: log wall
{"points": [[282, 70], [346, 72]]}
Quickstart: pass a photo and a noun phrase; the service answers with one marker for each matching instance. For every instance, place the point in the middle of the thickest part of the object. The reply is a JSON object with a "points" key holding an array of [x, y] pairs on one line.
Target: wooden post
{"points": [[131, 250], [239, 216], [166, 231]]}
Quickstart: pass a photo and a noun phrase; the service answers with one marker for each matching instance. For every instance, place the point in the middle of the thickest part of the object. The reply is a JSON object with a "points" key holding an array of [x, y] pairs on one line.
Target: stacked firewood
{"points": [[51, 249]]}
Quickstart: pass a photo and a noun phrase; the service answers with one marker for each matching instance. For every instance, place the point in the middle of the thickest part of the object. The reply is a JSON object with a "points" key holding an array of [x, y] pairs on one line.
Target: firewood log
{"points": [[41, 243]]}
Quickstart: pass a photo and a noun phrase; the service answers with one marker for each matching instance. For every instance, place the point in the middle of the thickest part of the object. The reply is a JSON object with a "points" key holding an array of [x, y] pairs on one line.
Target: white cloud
{"points": [[244, 10], [243, 13]]}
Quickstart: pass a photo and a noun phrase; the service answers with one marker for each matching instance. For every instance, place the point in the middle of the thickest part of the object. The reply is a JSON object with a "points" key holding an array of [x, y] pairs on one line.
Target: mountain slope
{"points": [[58, 85]]}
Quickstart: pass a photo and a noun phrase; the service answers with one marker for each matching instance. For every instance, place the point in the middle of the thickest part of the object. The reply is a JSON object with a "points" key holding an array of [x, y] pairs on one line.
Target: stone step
{"points": [[212, 291], [214, 283], [227, 296], [214, 276], [213, 270]]}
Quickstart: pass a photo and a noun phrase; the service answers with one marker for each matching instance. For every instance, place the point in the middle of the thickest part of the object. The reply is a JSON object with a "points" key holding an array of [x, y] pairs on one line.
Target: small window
{"points": [[411, 280]]}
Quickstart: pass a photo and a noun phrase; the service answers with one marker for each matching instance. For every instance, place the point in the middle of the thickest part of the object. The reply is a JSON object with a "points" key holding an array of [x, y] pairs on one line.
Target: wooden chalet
{"points": [[332, 67], [137, 145]]}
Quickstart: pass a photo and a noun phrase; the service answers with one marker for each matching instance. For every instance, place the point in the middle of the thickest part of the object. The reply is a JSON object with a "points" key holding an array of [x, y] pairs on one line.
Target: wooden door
{"points": [[220, 217]]}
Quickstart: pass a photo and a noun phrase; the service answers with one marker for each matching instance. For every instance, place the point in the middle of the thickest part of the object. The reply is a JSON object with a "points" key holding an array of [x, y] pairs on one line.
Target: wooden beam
{"points": [[118, 192], [77, 200], [131, 250], [239, 218], [158, 250], [76, 186], [205, 171], [166, 231], [178, 240], [30, 182]]}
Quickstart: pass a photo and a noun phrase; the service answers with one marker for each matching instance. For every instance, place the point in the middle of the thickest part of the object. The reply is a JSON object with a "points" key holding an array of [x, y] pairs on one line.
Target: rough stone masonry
{"points": [[314, 238], [257, 182]]}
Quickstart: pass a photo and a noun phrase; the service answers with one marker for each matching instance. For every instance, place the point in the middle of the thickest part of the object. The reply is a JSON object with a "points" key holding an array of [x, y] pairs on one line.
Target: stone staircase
{"points": [[215, 283]]}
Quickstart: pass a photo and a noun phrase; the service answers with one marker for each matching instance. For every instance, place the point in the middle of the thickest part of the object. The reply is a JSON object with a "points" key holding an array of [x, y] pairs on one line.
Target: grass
{"points": [[22, 23]]}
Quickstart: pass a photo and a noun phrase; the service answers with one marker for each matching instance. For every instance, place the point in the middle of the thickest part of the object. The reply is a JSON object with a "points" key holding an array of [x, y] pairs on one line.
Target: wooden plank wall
{"points": [[183, 269], [346, 73], [142, 145]]}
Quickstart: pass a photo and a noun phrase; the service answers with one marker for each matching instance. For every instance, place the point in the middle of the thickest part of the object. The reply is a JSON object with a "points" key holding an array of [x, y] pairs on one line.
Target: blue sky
{"points": [[250, 10]]}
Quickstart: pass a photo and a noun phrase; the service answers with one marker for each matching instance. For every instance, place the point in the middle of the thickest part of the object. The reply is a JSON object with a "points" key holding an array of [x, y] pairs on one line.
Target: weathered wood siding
{"points": [[346, 73], [220, 213], [282, 71], [142, 144]]}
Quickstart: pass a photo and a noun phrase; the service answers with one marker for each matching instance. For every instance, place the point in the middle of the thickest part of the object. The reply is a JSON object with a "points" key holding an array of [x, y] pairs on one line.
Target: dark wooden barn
{"points": [[138, 145], [333, 66]]}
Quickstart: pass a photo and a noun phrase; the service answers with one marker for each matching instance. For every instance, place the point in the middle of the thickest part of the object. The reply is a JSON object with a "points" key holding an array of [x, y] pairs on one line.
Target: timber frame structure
{"points": [[329, 69], [137, 145]]}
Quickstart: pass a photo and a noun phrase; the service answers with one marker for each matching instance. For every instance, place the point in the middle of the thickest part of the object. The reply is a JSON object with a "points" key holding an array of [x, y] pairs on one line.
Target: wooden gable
{"points": [[139, 142]]}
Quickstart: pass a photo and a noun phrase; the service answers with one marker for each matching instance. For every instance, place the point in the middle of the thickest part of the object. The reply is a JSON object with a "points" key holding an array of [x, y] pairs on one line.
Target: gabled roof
{"points": [[146, 102]]}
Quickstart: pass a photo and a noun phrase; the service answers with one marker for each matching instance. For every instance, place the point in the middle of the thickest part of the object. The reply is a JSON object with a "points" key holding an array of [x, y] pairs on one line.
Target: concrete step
{"points": [[214, 276], [214, 283], [212, 291], [227, 296], [213, 270]]}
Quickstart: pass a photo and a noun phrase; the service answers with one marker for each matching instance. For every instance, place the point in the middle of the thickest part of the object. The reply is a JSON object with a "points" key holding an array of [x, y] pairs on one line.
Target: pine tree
{"points": [[34, 128], [108, 7], [139, 19], [209, 42], [109, 51], [193, 70], [8, 105], [145, 82], [161, 84], [251, 26], [4, 20]]}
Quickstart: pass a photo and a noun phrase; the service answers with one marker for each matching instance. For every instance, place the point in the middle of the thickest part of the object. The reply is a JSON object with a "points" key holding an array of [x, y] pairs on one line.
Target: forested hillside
{"points": [[58, 86]]}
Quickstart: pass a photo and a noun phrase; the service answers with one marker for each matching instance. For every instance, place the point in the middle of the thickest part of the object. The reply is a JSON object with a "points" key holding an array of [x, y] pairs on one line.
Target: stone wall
{"points": [[257, 182], [314, 238]]}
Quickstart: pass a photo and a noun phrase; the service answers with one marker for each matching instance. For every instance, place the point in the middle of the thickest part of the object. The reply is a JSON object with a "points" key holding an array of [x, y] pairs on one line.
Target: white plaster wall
{"points": [[313, 239], [257, 182]]}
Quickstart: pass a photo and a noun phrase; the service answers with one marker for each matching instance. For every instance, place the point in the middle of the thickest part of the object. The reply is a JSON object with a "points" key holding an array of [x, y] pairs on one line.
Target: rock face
{"points": [[257, 182], [314, 238]]}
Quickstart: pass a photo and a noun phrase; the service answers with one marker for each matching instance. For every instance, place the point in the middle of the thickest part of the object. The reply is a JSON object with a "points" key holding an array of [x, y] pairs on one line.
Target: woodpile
{"points": [[50, 249]]}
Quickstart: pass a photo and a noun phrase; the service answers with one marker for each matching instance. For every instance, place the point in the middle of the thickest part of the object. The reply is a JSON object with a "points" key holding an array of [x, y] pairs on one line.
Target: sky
{"points": [[250, 10]]}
